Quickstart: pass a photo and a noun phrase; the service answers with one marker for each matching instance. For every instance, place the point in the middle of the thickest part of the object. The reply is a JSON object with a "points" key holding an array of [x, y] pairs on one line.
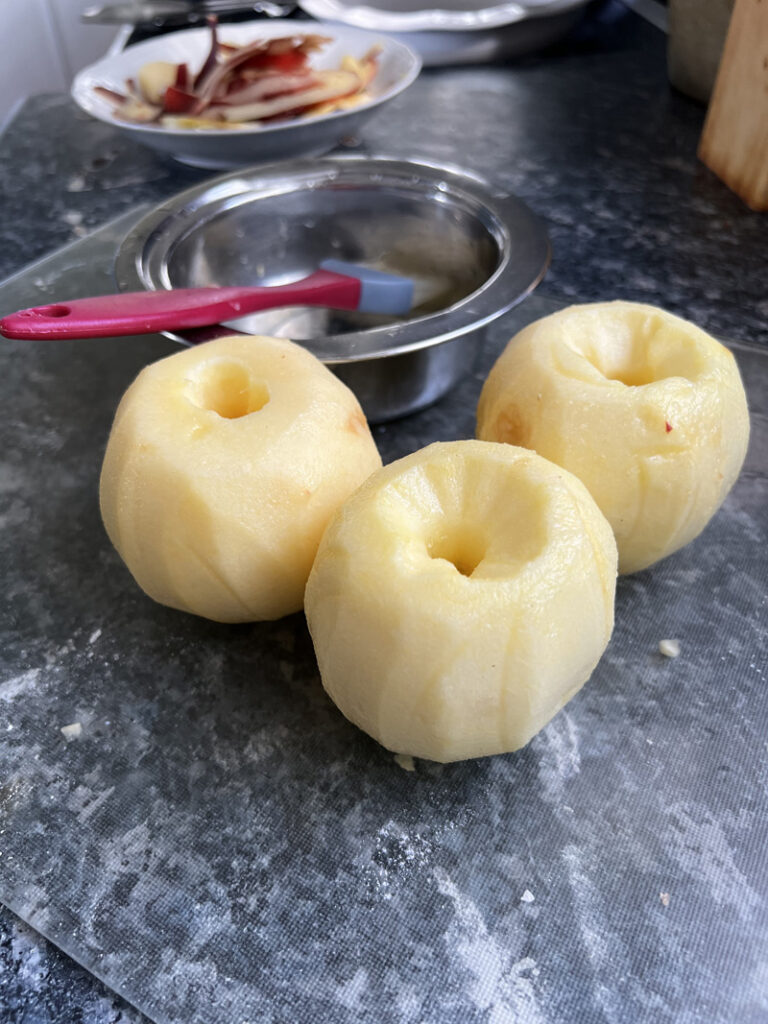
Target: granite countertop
{"points": [[589, 134]]}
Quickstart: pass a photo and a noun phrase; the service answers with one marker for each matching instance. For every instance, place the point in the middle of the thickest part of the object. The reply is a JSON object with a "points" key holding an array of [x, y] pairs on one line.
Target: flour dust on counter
{"points": [[220, 843]]}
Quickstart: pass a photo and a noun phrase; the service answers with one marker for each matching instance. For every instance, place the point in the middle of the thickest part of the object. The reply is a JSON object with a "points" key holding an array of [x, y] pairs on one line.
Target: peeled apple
{"points": [[224, 464], [645, 408], [460, 597]]}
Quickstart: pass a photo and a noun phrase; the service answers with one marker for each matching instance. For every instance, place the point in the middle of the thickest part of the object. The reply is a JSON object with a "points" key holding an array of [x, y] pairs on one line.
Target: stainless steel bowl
{"points": [[473, 252]]}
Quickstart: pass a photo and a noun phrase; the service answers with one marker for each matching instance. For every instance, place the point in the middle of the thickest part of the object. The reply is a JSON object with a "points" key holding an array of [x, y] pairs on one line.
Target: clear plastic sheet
{"points": [[219, 845]]}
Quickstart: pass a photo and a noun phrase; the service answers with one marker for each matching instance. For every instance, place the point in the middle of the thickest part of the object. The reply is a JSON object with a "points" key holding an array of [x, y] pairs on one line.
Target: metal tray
{"points": [[219, 845], [458, 32]]}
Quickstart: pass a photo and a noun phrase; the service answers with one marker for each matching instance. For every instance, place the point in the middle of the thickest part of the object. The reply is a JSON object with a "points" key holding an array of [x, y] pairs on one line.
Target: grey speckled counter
{"points": [[600, 147], [220, 844]]}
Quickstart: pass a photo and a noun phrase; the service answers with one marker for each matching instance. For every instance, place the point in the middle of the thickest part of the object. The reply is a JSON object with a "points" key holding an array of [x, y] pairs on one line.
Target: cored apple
{"points": [[647, 409], [224, 465], [460, 597]]}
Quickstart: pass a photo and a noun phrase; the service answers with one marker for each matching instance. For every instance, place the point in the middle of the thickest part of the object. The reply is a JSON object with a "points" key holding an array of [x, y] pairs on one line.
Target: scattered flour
{"points": [[85, 802], [12, 688], [702, 851], [557, 749], [604, 949], [349, 993], [498, 985]]}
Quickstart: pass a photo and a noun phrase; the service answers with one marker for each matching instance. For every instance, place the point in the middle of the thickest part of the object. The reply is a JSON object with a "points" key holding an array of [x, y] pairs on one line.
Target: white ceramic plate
{"points": [[457, 31], [219, 148]]}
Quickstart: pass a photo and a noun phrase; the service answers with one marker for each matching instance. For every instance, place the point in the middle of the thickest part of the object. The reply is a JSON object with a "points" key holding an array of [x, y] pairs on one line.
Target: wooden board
{"points": [[734, 143]]}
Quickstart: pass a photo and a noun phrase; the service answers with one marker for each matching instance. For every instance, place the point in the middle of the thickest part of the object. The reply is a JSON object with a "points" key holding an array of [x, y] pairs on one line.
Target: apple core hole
{"points": [[646, 351], [228, 389], [633, 376], [465, 552], [629, 366]]}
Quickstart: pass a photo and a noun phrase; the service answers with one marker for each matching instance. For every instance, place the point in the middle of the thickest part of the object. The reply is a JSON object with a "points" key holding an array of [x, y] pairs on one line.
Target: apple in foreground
{"points": [[460, 597], [224, 465], [645, 408]]}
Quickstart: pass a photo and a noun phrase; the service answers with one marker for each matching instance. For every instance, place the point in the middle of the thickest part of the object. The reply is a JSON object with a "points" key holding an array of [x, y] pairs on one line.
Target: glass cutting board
{"points": [[219, 845]]}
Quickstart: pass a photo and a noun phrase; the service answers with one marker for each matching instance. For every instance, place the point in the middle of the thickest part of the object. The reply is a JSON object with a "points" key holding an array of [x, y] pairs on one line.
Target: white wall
{"points": [[44, 45]]}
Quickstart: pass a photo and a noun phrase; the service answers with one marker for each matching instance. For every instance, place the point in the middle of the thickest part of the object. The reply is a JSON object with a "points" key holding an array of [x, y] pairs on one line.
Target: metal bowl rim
{"points": [[511, 281]]}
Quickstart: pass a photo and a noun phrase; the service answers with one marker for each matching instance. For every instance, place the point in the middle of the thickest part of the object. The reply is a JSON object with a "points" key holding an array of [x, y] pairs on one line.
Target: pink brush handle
{"points": [[108, 316]]}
